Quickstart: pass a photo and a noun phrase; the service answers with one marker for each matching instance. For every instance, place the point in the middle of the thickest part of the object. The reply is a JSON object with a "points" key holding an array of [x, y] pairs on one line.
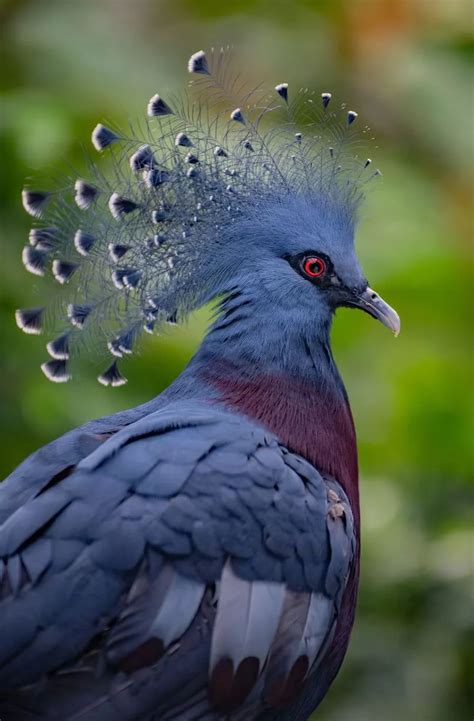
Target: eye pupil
{"points": [[314, 267]]}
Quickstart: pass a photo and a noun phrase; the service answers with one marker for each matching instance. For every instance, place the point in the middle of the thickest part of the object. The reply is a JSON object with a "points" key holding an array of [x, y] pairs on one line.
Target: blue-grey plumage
{"points": [[195, 557]]}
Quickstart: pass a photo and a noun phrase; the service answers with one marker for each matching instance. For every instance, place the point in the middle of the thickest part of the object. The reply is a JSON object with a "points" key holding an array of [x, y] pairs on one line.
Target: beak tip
{"points": [[395, 324]]}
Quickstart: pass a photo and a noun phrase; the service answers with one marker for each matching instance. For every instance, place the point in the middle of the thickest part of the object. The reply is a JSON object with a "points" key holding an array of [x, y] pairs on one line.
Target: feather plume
{"points": [[56, 371]]}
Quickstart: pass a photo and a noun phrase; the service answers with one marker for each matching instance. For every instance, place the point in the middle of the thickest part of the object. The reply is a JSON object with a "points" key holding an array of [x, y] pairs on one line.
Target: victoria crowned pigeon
{"points": [[196, 557]]}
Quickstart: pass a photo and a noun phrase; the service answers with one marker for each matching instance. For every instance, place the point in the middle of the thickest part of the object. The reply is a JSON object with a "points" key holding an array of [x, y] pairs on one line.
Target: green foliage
{"points": [[405, 68]]}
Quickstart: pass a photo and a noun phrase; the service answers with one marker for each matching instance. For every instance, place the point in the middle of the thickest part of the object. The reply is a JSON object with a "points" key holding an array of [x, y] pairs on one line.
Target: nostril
{"points": [[373, 296]]}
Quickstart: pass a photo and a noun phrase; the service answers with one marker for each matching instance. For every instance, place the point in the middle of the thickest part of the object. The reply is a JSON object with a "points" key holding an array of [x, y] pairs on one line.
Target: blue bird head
{"points": [[212, 197]]}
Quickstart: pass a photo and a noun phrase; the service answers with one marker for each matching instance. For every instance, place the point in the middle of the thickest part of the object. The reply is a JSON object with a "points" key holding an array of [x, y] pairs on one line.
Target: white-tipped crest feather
{"points": [[177, 208]]}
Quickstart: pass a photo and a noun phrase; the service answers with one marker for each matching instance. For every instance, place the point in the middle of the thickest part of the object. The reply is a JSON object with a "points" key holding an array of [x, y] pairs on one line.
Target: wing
{"points": [[189, 543]]}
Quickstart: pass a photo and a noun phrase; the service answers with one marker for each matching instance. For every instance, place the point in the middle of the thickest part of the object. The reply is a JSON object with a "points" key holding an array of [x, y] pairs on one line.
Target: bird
{"points": [[195, 558]]}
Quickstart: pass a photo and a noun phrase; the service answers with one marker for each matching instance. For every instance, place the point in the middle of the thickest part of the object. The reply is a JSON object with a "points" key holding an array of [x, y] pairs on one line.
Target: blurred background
{"points": [[405, 65]]}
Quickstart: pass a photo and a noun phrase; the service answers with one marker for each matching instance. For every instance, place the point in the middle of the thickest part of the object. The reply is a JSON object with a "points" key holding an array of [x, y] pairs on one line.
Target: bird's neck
{"points": [[286, 379]]}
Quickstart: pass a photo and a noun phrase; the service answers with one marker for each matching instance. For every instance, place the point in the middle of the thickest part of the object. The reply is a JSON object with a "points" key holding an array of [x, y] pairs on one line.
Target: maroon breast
{"points": [[311, 420]]}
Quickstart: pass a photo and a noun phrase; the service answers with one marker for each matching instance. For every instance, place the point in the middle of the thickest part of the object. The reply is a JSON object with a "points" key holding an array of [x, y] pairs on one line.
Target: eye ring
{"points": [[314, 267]]}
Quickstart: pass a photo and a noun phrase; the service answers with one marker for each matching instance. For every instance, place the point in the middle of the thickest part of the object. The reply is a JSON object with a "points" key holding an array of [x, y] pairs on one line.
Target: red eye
{"points": [[314, 267]]}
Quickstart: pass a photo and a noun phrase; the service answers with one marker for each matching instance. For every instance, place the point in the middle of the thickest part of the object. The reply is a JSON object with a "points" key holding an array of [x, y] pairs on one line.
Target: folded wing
{"points": [[189, 551]]}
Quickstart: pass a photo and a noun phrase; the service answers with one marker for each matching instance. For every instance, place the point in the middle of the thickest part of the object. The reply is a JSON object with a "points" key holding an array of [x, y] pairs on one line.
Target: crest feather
{"points": [[132, 247]]}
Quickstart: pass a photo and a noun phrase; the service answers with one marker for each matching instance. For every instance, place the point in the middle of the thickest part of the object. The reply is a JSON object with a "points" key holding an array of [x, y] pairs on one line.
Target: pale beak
{"points": [[374, 305]]}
